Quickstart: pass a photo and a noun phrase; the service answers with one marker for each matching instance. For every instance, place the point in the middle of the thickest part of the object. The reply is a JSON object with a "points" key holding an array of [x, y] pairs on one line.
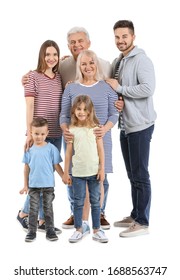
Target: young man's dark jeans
{"points": [[135, 149], [48, 197]]}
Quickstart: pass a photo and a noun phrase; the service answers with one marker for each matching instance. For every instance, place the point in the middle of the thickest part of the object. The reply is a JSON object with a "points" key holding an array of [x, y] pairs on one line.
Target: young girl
{"points": [[87, 155]]}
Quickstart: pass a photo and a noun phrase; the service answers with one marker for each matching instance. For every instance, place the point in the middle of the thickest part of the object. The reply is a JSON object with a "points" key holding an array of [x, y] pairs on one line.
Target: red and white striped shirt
{"points": [[47, 93]]}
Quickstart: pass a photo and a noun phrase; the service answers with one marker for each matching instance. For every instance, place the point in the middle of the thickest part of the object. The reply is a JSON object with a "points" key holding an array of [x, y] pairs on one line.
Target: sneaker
{"points": [[104, 223], [42, 228], [69, 223], [23, 221], [77, 236], [100, 236], [134, 230], [85, 229], [51, 234], [126, 222], [31, 236]]}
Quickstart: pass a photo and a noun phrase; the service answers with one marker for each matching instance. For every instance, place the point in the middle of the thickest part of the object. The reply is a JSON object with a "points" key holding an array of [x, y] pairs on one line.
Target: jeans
{"points": [[135, 149], [106, 189], [57, 142], [48, 197], [79, 190]]}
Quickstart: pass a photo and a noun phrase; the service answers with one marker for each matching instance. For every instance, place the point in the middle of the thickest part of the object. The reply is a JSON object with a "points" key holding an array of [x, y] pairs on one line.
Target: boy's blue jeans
{"points": [[56, 142], [79, 192], [135, 149], [47, 197]]}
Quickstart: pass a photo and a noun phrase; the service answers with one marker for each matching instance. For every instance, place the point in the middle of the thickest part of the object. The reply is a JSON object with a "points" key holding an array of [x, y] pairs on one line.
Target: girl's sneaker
{"points": [[77, 236], [100, 236]]}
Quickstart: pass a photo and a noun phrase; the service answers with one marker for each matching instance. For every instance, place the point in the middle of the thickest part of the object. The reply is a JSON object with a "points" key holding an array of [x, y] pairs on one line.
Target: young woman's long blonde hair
{"points": [[92, 119]]}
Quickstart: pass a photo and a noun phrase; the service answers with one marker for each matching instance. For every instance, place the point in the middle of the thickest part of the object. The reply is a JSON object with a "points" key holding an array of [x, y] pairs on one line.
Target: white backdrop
{"points": [[25, 25]]}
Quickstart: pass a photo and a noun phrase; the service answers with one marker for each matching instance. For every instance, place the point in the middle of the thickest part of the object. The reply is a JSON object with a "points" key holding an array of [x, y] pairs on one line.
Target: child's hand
{"points": [[67, 180], [24, 190], [101, 175]]}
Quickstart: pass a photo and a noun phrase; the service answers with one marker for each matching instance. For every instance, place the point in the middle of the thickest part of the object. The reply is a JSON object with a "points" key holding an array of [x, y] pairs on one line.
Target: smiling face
{"points": [[88, 67], [78, 42], [39, 134], [124, 39], [51, 57], [81, 113]]}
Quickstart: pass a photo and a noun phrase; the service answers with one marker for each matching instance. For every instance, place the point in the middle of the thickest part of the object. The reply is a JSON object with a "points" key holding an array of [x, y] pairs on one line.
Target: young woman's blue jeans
{"points": [[56, 142], [135, 149], [79, 192]]}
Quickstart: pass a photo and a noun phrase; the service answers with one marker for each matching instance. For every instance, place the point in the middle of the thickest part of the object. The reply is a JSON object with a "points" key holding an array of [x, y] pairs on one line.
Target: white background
{"points": [[24, 26]]}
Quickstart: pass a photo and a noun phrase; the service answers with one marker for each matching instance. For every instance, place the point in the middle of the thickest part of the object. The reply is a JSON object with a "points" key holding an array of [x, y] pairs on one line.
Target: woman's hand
{"points": [[100, 131], [68, 136], [28, 143]]}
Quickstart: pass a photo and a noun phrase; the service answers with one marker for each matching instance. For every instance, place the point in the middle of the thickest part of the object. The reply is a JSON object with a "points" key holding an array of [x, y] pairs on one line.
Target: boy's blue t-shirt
{"points": [[41, 162]]}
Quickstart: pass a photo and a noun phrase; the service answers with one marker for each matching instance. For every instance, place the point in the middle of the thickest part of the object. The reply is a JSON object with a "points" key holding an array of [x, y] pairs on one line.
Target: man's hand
{"points": [[25, 79]]}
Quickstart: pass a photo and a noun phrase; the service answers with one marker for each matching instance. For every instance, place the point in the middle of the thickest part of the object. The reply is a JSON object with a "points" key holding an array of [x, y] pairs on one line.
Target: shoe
{"points": [[126, 222], [134, 230], [104, 223], [51, 234], [31, 236], [100, 236], [42, 228], [85, 229], [69, 223], [23, 221], [77, 236]]}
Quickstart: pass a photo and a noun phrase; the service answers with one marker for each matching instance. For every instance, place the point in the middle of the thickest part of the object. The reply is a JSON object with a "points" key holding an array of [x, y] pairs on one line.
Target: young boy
{"points": [[40, 162]]}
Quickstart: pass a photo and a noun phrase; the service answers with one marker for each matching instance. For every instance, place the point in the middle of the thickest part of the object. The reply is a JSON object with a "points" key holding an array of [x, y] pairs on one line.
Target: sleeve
{"points": [[29, 88], [26, 158], [113, 114], [56, 155], [145, 78], [65, 106]]}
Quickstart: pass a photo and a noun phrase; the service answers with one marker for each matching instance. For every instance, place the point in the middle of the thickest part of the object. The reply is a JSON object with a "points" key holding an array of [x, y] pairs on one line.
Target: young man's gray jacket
{"points": [[137, 85]]}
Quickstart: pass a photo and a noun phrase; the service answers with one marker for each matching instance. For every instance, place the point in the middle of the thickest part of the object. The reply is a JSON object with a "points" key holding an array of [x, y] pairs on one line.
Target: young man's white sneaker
{"points": [[134, 230], [100, 236]]}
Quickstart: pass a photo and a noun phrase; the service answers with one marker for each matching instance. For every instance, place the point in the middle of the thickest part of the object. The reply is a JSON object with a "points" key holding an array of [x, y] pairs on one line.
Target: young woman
{"points": [[43, 94]]}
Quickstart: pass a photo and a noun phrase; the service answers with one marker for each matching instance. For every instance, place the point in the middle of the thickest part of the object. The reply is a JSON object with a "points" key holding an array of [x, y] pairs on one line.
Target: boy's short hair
{"points": [[39, 122]]}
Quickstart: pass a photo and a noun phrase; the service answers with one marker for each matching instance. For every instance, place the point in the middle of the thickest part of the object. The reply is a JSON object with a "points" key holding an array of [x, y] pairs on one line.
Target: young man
{"points": [[134, 80]]}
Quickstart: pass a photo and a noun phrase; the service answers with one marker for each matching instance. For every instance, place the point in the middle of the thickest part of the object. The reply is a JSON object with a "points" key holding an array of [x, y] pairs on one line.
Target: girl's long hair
{"points": [[41, 67], [92, 119]]}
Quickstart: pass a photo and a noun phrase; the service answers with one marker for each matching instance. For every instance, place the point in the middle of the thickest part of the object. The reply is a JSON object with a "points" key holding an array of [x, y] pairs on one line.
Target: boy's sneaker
{"points": [[104, 223], [69, 223], [23, 221], [134, 230], [125, 222], [77, 236], [31, 236], [42, 228], [85, 229], [51, 234], [100, 236]]}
